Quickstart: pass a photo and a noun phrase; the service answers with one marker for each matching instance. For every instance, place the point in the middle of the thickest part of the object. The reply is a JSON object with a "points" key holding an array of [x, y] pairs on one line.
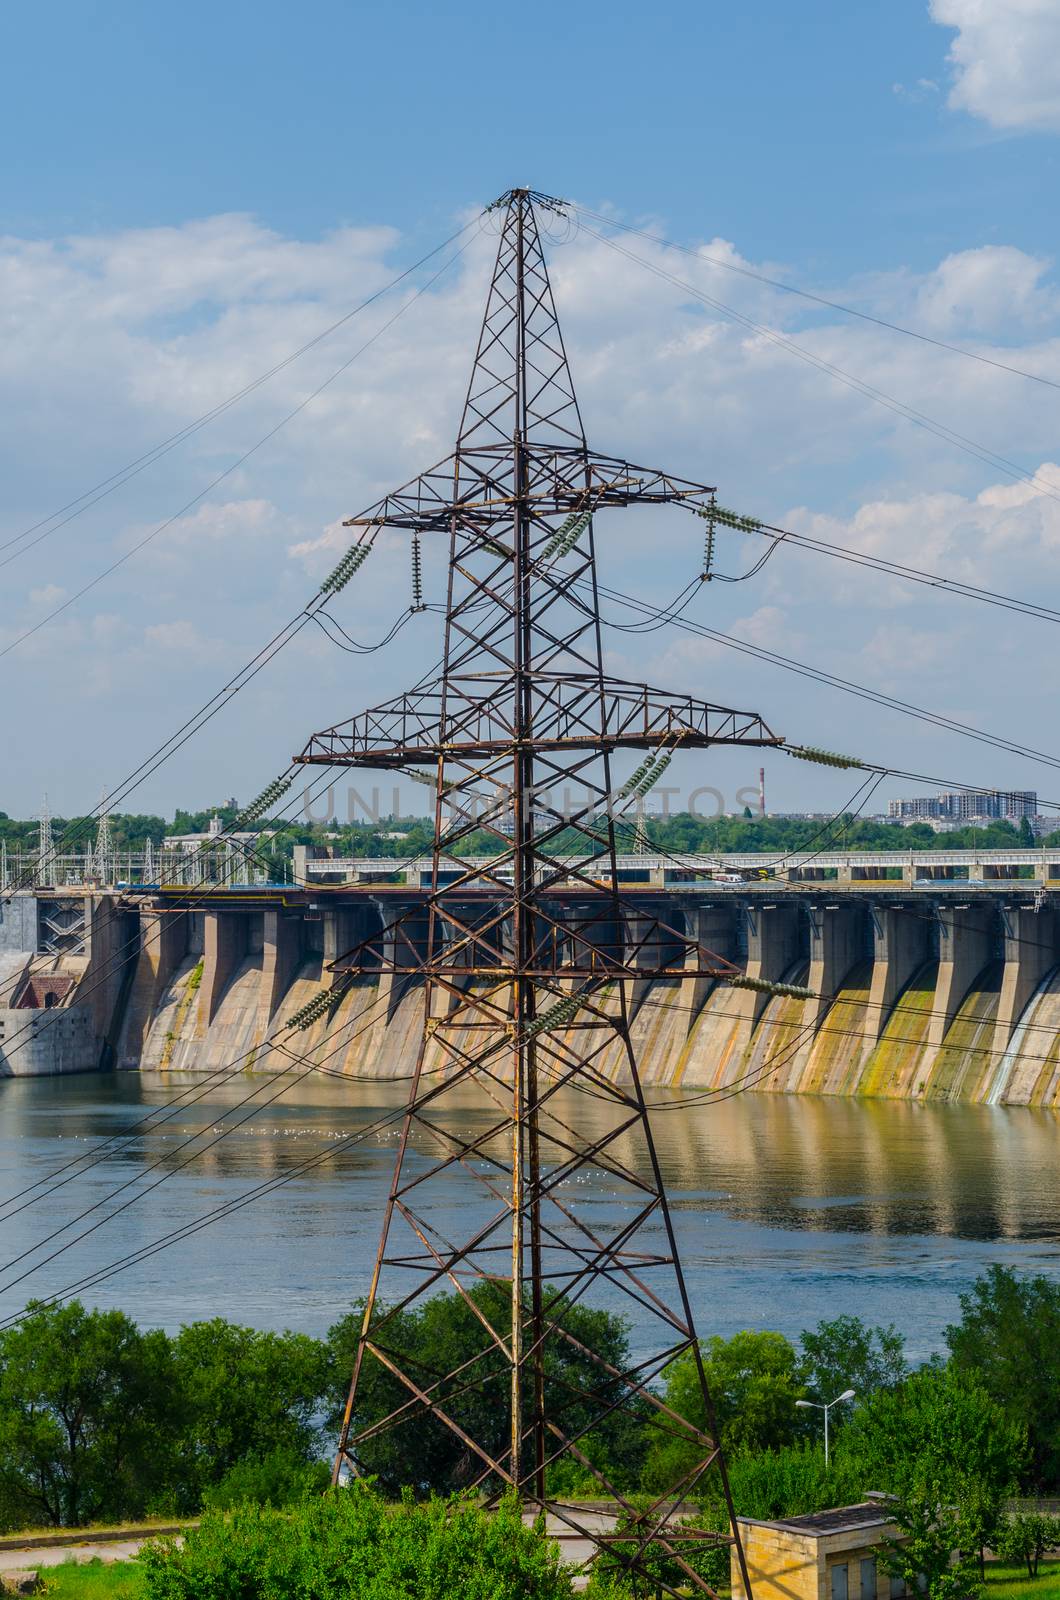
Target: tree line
{"points": [[101, 1420], [396, 838]]}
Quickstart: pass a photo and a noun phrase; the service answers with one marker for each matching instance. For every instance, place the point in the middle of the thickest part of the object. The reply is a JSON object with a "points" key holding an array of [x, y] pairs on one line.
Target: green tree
{"points": [[754, 1379], [1009, 1336], [845, 1353], [948, 1454], [791, 1481], [444, 1334], [87, 1405], [245, 1394], [932, 1555], [1026, 1537]]}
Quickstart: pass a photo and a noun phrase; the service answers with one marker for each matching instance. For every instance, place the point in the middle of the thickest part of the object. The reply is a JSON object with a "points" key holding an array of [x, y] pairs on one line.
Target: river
{"points": [[788, 1209]]}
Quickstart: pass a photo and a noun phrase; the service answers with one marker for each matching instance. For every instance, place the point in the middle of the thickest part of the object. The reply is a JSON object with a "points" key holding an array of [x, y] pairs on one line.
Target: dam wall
{"points": [[953, 993], [65, 963]]}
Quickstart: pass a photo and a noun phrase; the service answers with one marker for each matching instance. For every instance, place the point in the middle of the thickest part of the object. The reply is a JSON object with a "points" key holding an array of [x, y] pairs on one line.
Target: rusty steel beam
{"points": [[514, 1003]]}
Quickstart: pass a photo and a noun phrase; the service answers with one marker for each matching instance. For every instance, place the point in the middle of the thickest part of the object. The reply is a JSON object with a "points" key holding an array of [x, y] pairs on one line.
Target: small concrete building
{"points": [[827, 1555]]}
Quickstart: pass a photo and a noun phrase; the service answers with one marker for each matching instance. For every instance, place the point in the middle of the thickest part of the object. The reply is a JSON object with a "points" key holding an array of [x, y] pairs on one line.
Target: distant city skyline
{"points": [[958, 805]]}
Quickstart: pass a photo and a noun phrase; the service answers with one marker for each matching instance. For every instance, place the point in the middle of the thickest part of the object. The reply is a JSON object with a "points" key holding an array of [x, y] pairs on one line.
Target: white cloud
{"points": [[49, 595], [178, 635], [1006, 60], [118, 341], [986, 289], [916, 92], [332, 542]]}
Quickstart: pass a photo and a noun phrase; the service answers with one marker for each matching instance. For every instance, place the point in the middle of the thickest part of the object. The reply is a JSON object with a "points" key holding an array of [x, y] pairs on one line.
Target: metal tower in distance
{"points": [[527, 966], [104, 862], [46, 869]]}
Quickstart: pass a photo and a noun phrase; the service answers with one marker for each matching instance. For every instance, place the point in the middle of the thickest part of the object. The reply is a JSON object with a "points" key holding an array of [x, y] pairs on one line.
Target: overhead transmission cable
{"points": [[744, 271], [327, 591], [828, 679], [224, 1210], [932, 580], [331, 586], [91, 497], [649, 626], [920, 418], [116, 961], [106, 1148], [277, 1044], [117, 958], [235, 465], [723, 1092]]}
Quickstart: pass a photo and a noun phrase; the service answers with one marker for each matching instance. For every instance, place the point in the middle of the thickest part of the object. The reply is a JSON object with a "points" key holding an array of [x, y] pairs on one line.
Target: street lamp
{"points": [[848, 1394]]}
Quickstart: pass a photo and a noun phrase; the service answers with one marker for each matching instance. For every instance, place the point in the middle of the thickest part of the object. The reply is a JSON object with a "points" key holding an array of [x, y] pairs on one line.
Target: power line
{"points": [[223, 1073], [266, 1187], [117, 958], [832, 680], [116, 480], [221, 476], [749, 1080], [896, 569], [364, 1025], [318, 603], [921, 419], [817, 299]]}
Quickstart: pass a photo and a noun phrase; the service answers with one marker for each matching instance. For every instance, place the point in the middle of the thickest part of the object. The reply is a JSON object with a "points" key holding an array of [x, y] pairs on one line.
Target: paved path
{"points": [[46, 1552], [50, 1554]]}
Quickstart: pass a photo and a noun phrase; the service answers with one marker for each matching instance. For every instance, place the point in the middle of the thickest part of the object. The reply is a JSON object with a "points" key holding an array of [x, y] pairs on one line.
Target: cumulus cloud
{"points": [[178, 635], [1006, 60], [118, 342]]}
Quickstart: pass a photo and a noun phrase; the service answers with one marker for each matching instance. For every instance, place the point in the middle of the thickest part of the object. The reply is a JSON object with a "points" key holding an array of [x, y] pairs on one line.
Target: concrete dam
{"points": [[938, 991]]}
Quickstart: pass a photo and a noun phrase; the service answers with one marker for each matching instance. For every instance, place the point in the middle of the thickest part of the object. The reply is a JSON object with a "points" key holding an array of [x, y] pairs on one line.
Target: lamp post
{"points": [[848, 1394]]}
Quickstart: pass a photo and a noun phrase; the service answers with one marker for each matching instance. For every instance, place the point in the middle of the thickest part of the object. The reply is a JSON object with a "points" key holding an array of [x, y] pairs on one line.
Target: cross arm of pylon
{"points": [[619, 482], [476, 495], [408, 730]]}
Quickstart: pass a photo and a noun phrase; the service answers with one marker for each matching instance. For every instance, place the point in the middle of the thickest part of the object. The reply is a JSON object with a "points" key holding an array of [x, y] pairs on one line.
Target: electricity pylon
{"points": [[104, 863], [46, 870], [526, 965]]}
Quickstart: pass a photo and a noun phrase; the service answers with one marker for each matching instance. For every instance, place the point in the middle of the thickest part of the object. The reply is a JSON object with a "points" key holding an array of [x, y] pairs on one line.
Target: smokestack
{"points": [[761, 791]]}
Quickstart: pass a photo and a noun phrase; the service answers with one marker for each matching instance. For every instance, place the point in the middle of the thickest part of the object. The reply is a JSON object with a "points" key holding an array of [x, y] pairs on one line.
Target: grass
{"points": [[94, 1580], [123, 1580], [1004, 1582]]}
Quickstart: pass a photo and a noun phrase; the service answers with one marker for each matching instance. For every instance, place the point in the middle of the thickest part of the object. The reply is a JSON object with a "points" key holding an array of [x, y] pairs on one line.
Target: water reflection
{"points": [[788, 1209]]}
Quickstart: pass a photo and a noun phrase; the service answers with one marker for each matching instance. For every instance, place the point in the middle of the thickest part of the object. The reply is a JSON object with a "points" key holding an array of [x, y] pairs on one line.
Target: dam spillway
{"points": [[943, 992]]}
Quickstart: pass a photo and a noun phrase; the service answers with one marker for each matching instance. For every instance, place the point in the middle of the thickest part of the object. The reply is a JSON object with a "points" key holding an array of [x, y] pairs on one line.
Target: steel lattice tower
{"points": [[105, 865], [45, 847], [527, 966]]}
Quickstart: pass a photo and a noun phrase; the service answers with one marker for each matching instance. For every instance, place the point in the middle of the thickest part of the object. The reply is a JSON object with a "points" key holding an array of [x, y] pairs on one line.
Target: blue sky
{"points": [[808, 132], [190, 193]]}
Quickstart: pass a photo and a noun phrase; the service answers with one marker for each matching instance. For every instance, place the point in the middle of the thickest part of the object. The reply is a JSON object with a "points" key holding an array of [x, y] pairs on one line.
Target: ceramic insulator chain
{"points": [[264, 802], [355, 557]]}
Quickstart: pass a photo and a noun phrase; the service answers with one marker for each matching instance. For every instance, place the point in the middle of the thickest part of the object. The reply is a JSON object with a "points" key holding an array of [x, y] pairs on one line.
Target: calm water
{"points": [[787, 1209]]}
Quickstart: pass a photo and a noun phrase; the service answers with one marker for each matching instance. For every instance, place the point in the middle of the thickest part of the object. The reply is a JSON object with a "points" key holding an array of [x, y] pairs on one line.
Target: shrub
{"points": [[281, 1478], [351, 1545], [791, 1482]]}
